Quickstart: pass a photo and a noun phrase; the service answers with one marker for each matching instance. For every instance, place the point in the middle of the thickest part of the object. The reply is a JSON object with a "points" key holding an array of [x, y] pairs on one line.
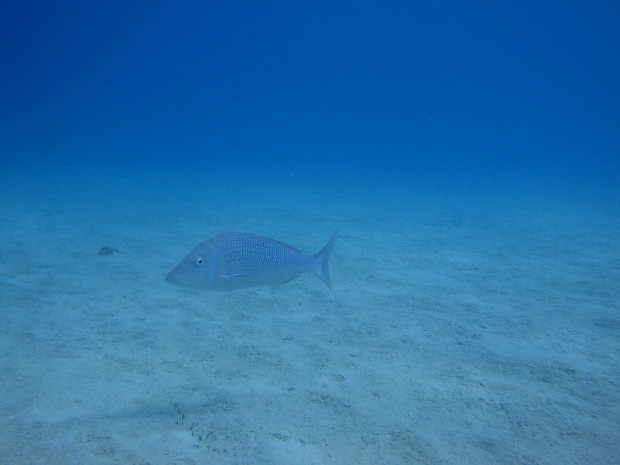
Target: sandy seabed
{"points": [[461, 328]]}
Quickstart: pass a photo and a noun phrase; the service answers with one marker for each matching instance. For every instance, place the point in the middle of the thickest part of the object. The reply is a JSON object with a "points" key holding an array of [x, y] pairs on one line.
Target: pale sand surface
{"points": [[461, 329]]}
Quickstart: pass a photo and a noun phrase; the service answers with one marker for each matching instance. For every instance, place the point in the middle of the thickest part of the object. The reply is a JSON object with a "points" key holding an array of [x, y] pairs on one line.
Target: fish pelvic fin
{"points": [[321, 262]]}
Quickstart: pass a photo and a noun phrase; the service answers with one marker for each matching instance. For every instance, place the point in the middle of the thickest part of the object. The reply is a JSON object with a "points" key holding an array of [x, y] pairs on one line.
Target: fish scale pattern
{"points": [[249, 253]]}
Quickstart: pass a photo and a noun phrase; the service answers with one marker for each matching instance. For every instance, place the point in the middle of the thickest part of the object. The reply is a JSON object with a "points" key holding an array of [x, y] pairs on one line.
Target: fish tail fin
{"points": [[321, 262]]}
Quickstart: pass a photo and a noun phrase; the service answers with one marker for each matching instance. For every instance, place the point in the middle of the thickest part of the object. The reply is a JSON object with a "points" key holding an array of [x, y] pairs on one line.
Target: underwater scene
{"points": [[307, 233]]}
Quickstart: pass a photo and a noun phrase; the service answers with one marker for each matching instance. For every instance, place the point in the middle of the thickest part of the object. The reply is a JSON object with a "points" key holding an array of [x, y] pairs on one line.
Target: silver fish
{"points": [[238, 260]]}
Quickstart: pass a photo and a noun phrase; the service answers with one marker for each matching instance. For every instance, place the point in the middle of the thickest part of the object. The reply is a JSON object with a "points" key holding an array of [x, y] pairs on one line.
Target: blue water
{"points": [[469, 155], [357, 88]]}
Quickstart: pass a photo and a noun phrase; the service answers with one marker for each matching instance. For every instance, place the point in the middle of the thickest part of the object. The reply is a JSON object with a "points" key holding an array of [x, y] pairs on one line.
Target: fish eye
{"points": [[200, 261]]}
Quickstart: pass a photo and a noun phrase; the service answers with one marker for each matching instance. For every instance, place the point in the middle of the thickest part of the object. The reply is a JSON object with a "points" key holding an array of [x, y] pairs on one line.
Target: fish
{"points": [[233, 261]]}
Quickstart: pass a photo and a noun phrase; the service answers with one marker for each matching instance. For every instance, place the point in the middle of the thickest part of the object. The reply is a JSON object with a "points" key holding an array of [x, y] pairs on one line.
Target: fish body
{"points": [[232, 261]]}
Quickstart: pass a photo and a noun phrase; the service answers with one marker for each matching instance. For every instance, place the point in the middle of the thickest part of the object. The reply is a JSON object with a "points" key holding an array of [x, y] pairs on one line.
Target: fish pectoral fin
{"points": [[231, 275]]}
